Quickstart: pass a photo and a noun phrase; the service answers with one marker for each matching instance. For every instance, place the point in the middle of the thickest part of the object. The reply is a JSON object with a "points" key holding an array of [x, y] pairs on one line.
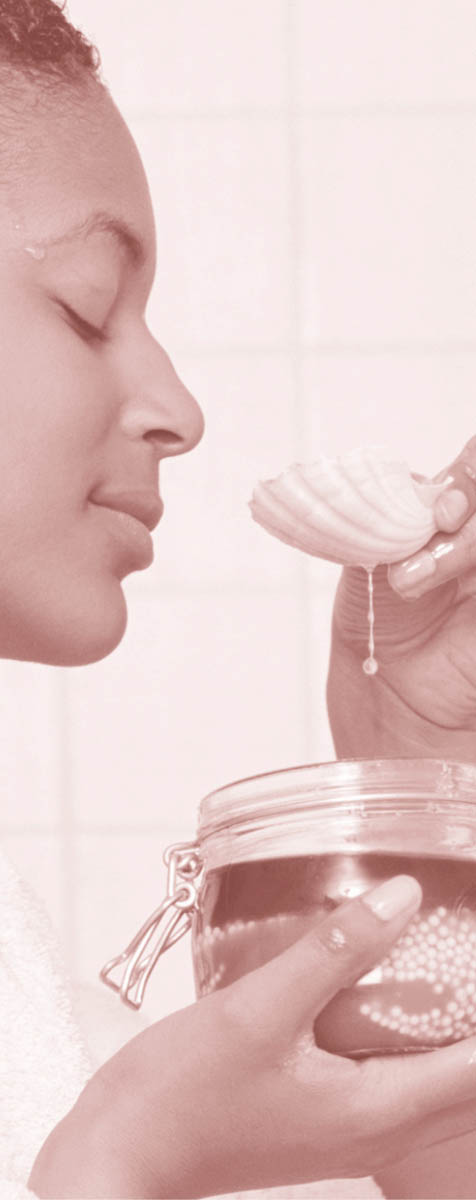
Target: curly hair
{"points": [[38, 42]]}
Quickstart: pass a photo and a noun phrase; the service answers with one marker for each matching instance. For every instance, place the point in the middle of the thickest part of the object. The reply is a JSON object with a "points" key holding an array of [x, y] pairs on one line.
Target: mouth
{"points": [[132, 517], [144, 506]]}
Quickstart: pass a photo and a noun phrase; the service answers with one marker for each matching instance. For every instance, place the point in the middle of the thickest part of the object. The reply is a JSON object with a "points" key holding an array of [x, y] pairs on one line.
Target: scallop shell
{"points": [[363, 508]]}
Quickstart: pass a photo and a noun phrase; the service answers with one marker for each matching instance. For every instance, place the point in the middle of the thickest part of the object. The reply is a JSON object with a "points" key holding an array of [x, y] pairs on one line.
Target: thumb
{"points": [[284, 997]]}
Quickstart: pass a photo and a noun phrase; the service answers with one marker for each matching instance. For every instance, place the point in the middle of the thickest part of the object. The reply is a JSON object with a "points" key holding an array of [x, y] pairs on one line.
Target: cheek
{"points": [[57, 394], [55, 418], [60, 595]]}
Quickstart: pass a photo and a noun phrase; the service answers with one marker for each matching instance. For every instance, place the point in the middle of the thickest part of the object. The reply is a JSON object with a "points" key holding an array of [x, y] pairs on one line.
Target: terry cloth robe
{"points": [[53, 1036]]}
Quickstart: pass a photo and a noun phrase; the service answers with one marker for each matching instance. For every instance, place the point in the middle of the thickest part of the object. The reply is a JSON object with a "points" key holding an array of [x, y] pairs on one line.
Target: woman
{"points": [[230, 1092]]}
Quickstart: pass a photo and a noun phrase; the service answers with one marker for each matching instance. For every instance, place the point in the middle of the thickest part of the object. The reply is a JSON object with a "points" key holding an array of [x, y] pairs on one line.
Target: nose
{"points": [[160, 409]]}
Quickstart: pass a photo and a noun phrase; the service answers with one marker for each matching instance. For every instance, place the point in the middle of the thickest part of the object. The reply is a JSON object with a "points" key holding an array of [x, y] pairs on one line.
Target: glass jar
{"points": [[279, 851], [282, 850]]}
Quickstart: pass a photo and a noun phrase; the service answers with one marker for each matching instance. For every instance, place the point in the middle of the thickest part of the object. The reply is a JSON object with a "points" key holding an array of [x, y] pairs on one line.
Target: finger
{"points": [[445, 1125], [436, 1089], [458, 501], [443, 559], [284, 997], [399, 1131]]}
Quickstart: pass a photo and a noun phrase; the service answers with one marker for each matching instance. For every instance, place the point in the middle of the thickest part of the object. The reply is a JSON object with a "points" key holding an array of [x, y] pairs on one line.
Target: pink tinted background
{"points": [[313, 171]]}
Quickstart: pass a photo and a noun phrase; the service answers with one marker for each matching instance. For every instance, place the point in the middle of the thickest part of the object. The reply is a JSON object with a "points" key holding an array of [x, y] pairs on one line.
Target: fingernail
{"points": [[441, 549], [453, 505], [410, 574], [393, 897]]}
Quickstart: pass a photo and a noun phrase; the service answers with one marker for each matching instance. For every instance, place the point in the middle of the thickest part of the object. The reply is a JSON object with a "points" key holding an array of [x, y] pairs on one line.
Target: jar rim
{"points": [[328, 784]]}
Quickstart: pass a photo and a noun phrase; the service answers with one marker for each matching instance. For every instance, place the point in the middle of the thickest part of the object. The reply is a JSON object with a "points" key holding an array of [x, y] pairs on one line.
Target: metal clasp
{"points": [[169, 922]]}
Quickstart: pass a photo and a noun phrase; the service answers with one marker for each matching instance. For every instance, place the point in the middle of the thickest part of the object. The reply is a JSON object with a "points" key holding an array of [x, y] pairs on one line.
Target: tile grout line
{"points": [[410, 348], [87, 829], [295, 250], [317, 112], [66, 823]]}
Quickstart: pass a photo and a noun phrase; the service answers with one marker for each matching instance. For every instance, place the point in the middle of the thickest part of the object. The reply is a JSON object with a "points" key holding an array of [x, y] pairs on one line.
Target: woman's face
{"points": [[89, 401]]}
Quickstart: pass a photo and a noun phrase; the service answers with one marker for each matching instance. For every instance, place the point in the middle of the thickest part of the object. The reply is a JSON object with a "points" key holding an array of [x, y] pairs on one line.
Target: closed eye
{"points": [[89, 333]]}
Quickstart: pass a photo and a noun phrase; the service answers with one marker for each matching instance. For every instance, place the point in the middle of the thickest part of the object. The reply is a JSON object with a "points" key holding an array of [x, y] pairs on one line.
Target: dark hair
{"points": [[38, 42]]}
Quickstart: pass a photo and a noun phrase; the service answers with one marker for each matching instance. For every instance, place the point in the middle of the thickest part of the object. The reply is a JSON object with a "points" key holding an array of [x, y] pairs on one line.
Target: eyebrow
{"points": [[103, 222]]}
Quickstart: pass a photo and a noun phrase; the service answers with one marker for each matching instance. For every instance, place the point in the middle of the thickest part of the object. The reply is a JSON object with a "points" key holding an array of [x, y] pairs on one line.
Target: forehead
{"points": [[77, 172]]}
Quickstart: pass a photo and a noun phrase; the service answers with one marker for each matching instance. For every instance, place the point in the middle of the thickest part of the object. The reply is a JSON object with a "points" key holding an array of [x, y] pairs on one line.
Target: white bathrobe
{"points": [[44, 1058]]}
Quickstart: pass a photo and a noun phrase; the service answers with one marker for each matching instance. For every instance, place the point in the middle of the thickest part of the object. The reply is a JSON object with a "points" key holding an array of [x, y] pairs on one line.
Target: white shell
{"points": [[363, 508]]}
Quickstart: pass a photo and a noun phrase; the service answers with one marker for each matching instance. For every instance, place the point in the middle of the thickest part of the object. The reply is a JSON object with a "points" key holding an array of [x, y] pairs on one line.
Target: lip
{"points": [[133, 516], [144, 505]]}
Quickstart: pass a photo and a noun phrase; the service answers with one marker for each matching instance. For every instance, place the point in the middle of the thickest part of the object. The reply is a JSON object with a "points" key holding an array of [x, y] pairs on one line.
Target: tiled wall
{"points": [[313, 172]]}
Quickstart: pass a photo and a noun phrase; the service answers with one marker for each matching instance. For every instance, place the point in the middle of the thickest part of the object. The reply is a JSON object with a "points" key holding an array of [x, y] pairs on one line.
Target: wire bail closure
{"points": [[169, 922]]}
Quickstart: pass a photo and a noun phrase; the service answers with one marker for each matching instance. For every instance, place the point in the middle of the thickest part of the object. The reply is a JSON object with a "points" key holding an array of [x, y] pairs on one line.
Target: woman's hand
{"points": [[423, 699], [232, 1093]]}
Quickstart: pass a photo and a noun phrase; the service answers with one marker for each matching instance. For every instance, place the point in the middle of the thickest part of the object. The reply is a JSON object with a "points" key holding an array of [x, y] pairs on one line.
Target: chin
{"points": [[88, 647], [80, 634], [93, 638]]}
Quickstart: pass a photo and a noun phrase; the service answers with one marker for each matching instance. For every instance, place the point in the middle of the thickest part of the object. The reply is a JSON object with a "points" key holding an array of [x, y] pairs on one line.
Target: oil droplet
{"points": [[37, 252], [337, 938], [370, 665]]}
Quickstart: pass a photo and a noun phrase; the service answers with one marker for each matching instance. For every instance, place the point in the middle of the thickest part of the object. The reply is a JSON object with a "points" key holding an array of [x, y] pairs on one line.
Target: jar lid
{"points": [[266, 812]]}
